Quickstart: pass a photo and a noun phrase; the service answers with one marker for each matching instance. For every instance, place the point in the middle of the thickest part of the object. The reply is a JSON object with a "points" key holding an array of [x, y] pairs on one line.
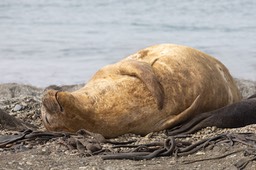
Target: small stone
{"points": [[67, 152], [17, 108], [21, 163], [29, 163], [214, 128], [172, 162], [11, 162], [20, 168], [54, 168], [200, 153], [29, 146]]}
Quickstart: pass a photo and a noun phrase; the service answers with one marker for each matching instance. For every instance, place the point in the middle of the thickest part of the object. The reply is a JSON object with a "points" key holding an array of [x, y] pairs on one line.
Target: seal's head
{"points": [[58, 110]]}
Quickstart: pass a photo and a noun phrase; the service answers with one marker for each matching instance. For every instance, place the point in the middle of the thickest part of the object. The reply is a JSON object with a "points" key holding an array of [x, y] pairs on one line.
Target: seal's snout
{"points": [[57, 113], [51, 103], [54, 108]]}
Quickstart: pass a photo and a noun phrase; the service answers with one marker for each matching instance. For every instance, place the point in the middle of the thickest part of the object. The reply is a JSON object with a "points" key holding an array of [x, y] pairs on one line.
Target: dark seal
{"points": [[232, 116]]}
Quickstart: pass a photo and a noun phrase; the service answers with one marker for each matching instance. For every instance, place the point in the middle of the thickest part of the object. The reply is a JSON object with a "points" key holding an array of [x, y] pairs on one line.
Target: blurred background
{"points": [[46, 42]]}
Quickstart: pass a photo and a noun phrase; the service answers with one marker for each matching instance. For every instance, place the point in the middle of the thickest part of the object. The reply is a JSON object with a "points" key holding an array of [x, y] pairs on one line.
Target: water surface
{"points": [[47, 42]]}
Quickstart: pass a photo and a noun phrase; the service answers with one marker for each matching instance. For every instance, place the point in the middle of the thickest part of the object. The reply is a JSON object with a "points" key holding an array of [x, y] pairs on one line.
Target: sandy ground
{"points": [[23, 102]]}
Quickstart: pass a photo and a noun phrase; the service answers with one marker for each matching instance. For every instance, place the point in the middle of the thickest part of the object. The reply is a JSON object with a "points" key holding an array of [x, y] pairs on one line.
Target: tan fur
{"points": [[151, 90]]}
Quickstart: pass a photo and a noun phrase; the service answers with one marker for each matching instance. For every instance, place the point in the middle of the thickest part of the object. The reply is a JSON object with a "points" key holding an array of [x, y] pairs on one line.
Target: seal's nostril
{"points": [[56, 96]]}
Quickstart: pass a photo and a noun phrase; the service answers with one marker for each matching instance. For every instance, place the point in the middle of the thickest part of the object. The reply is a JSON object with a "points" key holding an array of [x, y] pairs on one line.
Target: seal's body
{"points": [[154, 89]]}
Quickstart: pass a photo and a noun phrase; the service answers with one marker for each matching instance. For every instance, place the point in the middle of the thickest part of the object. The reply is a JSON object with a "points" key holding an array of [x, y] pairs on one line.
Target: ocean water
{"points": [[46, 42]]}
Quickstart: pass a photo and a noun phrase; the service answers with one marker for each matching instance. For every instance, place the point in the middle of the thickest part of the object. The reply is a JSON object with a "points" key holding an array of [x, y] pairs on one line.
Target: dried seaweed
{"points": [[90, 144]]}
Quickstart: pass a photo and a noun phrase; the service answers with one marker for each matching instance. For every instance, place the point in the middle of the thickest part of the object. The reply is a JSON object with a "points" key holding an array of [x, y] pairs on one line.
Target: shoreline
{"points": [[8, 90]]}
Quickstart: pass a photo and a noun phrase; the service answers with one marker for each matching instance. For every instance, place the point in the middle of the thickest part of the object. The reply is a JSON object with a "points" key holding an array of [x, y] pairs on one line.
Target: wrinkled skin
{"points": [[154, 89]]}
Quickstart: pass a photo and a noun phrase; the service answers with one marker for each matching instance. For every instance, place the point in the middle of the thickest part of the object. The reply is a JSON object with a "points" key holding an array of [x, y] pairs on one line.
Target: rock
{"points": [[247, 87], [17, 108]]}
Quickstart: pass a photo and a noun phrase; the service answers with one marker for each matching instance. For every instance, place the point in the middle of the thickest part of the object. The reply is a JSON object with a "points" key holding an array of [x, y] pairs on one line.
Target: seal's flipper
{"points": [[172, 120], [145, 73]]}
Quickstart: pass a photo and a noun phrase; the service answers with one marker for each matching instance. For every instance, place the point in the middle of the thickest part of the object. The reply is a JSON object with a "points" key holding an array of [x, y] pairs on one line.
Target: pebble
{"points": [[54, 168], [20, 168], [172, 162], [11, 162], [200, 153], [17, 108], [29, 146], [29, 163]]}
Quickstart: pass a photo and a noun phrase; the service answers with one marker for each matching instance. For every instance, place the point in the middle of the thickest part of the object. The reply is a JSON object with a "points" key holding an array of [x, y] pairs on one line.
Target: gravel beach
{"points": [[23, 102]]}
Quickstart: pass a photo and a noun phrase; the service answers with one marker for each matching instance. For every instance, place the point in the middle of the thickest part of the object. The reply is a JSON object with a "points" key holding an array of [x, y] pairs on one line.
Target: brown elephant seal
{"points": [[156, 88], [235, 115]]}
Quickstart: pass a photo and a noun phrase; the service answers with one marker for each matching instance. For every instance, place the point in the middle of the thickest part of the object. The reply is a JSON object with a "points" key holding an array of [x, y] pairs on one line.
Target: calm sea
{"points": [[45, 42]]}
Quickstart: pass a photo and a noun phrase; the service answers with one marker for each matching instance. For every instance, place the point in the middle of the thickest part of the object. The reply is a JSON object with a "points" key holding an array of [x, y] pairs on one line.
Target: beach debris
{"points": [[89, 144]]}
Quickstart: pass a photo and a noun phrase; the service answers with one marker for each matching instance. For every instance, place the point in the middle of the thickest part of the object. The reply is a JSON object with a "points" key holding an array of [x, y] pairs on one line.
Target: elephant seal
{"points": [[235, 115], [156, 88]]}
